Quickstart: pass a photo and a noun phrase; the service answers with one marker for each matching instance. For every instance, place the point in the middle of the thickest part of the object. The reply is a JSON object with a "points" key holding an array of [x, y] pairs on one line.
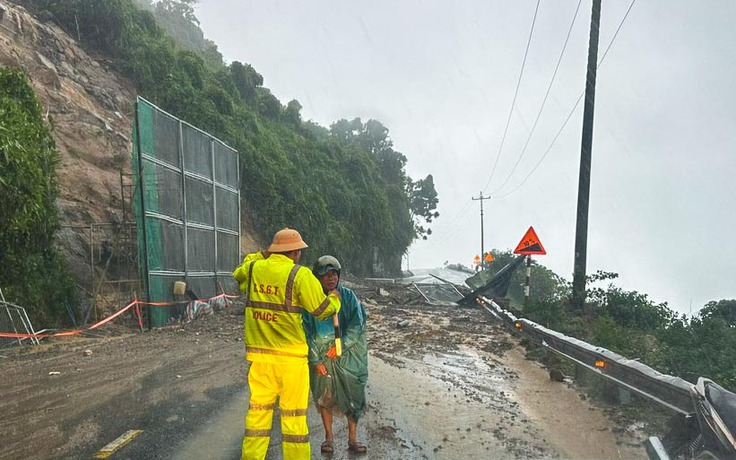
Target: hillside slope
{"points": [[91, 111]]}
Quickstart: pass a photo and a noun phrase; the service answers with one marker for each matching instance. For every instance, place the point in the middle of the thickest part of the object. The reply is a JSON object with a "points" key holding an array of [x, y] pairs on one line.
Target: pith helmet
{"points": [[324, 264], [285, 240]]}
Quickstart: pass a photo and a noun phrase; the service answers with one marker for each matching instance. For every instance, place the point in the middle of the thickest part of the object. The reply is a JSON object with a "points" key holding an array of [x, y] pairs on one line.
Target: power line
{"points": [[443, 233], [600, 62], [516, 92], [544, 101], [569, 115], [615, 34], [448, 231]]}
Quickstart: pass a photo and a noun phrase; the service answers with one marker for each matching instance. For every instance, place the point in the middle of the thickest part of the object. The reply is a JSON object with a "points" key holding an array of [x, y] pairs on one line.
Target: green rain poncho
{"points": [[344, 388]]}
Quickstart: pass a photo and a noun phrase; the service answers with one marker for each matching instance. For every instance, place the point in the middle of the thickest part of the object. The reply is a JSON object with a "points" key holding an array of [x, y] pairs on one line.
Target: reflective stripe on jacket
{"points": [[278, 292]]}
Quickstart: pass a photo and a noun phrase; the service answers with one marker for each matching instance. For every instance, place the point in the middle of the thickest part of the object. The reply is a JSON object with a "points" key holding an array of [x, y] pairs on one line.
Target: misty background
{"points": [[442, 77]]}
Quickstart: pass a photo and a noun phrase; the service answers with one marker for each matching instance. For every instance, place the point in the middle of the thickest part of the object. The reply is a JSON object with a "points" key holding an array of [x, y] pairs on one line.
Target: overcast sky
{"points": [[441, 76]]}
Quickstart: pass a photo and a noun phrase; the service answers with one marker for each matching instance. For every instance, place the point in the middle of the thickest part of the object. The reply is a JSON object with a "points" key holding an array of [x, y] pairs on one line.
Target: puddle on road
{"points": [[467, 370], [451, 406]]}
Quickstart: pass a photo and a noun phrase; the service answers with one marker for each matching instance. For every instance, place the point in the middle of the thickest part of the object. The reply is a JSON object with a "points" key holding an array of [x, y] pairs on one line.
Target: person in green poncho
{"points": [[338, 382]]}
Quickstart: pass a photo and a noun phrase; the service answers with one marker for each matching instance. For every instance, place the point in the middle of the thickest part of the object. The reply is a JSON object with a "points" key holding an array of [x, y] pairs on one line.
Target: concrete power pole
{"points": [[581, 233], [482, 254]]}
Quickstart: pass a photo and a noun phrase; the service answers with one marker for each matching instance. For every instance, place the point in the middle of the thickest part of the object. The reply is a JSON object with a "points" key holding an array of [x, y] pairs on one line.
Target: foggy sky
{"points": [[441, 77]]}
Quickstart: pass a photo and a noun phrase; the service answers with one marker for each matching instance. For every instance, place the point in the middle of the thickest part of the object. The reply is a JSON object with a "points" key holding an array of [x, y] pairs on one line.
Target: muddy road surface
{"points": [[445, 383]]}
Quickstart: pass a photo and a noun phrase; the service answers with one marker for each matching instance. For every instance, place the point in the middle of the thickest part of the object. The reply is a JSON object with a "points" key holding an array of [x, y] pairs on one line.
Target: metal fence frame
{"points": [[166, 174], [7, 322]]}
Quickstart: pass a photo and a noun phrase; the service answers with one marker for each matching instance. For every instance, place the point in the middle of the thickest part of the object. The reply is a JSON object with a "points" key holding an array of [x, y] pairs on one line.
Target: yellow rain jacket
{"points": [[278, 291]]}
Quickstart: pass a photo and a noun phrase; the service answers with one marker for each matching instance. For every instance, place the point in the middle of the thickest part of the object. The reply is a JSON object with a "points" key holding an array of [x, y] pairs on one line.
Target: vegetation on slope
{"points": [[32, 268]]}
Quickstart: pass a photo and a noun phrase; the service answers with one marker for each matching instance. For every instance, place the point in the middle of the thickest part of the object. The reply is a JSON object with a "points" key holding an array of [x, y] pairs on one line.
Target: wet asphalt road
{"points": [[216, 433], [409, 416]]}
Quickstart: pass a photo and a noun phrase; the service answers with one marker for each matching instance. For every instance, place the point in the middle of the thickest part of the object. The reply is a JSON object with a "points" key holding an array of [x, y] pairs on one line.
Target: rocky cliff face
{"points": [[91, 110]]}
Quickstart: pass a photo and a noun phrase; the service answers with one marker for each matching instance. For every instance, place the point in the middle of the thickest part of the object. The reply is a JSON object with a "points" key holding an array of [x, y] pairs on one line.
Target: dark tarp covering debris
{"points": [[492, 286]]}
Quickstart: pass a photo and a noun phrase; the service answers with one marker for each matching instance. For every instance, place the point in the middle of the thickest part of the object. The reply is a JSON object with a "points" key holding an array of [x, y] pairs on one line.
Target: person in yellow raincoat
{"points": [[277, 291]]}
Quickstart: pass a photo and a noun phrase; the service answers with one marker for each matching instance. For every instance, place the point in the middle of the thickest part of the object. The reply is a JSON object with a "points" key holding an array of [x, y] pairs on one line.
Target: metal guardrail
{"points": [[669, 391], [14, 319]]}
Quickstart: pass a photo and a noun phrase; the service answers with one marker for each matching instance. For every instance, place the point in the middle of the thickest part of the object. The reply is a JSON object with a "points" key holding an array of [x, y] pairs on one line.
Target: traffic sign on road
{"points": [[530, 244]]}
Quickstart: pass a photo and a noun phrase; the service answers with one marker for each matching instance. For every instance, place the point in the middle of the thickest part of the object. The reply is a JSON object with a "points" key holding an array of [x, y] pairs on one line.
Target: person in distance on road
{"points": [[278, 291], [338, 382]]}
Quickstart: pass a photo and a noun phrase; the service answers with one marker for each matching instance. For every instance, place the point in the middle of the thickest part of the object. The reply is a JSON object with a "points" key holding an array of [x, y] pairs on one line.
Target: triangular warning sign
{"points": [[530, 244]]}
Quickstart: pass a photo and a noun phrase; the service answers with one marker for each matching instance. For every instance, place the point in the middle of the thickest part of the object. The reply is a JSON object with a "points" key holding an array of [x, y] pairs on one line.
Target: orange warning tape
{"points": [[164, 304], [135, 303]]}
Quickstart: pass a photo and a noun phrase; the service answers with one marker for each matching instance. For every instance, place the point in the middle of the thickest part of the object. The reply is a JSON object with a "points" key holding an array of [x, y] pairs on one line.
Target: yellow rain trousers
{"points": [[266, 382], [278, 292]]}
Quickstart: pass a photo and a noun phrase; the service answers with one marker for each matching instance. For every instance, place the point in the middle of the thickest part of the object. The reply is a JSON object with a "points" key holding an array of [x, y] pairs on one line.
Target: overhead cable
{"points": [[513, 102], [544, 101], [600, 62], [443, 233]]}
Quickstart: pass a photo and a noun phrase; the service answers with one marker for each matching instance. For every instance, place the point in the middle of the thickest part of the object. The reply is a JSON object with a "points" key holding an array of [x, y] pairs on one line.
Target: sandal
{"points": [[327, 447], [357, 448]]}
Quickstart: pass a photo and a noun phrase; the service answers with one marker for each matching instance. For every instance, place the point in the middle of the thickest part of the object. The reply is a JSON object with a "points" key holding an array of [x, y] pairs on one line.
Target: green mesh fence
{"points": [[187, 206]]}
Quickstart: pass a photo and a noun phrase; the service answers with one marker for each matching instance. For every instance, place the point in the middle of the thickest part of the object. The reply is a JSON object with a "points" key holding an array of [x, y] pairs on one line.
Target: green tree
{"points": [[628, 308], [33, 273], [424, 201], [708, 352], [412, 204], [178, 19], [246, 81], [180, 9], [292, 113], [723, 309]]}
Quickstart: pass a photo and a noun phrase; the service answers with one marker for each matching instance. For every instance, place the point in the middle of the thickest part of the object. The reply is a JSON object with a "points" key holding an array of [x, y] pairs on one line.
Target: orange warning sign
{"points": [[530, 244], [488, 257]]}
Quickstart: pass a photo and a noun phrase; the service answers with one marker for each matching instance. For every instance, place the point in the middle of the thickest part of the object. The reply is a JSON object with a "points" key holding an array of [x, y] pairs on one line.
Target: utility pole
{"points": [[581, 230], [482, 254]]}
